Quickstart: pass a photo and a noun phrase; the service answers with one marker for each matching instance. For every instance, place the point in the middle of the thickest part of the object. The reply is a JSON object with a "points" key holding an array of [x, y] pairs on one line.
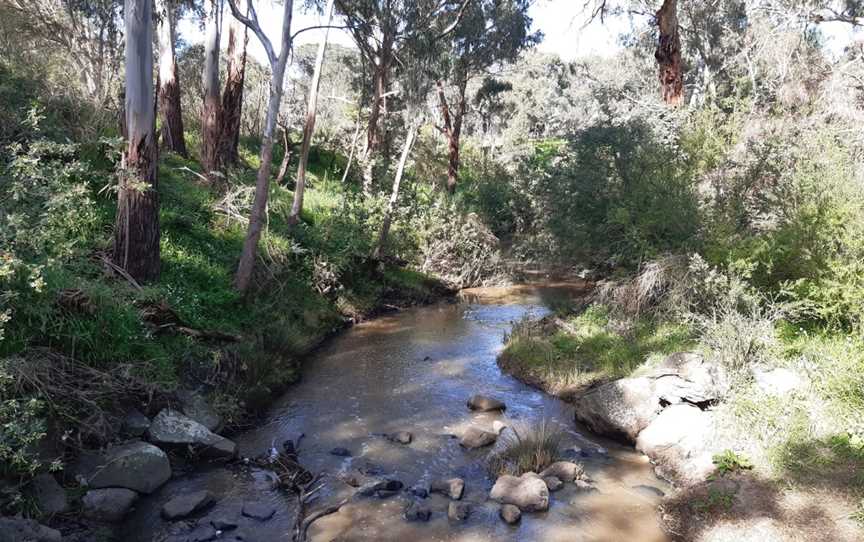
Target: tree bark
{"points": [[136, 232], [352, 151], [258, 214], [668, 54], [379, 90], [169, 83], [452, 130], [309, 127], [211, 113], [232, 97], [286, 158], [394, 194]]}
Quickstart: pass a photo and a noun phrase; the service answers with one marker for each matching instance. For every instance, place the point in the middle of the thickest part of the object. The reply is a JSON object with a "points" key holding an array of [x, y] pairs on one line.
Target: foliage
{"points": [[729, 462]]}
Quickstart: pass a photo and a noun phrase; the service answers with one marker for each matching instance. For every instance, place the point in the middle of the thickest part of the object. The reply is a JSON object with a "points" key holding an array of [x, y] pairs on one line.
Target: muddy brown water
{"points": [[414, 371]]}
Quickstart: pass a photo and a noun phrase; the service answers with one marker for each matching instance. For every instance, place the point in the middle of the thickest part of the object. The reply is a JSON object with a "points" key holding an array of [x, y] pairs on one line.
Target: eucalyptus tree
{"points": [[170, 109], [491, 33], [381, 30], [309, 125], [232, 96], [136, 231], [278, 62], [211, 113]]}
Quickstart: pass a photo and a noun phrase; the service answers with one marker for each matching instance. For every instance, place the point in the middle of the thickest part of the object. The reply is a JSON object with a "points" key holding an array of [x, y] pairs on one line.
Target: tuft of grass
{"points": [[530, 448], [729, 462]]}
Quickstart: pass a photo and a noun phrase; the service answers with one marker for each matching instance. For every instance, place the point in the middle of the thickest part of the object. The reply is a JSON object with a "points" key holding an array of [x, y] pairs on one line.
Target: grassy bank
{"points": [[802, 445], [81, 343]]}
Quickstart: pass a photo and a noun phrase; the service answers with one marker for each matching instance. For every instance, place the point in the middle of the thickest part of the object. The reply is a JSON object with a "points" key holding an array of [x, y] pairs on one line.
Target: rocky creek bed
{"points": [[393, 425]]}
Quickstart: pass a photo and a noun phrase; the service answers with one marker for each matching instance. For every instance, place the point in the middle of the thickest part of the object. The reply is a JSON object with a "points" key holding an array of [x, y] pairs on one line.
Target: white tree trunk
{"points": [[394, 193], [309, 128], [262, 184], [210, 118]]}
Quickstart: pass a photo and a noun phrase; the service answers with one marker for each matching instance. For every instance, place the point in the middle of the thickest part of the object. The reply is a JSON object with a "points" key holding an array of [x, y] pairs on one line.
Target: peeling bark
{"points": [[169, 83], [452, 130], [232, 96], [136, 232], [668, 54]]}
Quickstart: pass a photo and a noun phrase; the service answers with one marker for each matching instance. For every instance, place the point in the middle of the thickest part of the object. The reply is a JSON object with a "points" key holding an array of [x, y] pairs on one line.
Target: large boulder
{"points": [[483, 403], [108, 505], [171, 428], [619, 409], [678, 442], [26, 530], [195, 406], [528, 492], [138, 466], [49, 496], [623, 408]]}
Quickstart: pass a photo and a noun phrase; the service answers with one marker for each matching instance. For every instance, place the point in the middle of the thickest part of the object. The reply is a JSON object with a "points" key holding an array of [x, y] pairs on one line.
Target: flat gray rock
{"points": [[417, 512], [452, 488], [259, 511], [138, 466], [566, 471], [458, 511], [195, 406], [474, 437], [187, 504], [172, 428]]}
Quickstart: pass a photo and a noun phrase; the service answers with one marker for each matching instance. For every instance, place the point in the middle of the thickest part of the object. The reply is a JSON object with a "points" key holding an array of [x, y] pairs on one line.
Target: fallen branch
{"points": [[318, 515]]}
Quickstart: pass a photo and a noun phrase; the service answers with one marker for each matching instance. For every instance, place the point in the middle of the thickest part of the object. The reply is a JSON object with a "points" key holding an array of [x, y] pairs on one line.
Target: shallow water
{"points": [[414, 371]]}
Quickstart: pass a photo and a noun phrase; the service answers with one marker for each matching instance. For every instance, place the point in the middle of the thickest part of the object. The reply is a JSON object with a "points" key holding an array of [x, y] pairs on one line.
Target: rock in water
{"points": [[340, 452], [109, 505], [553, 483], [138, 466], [474, 437], [452, 488], [172, 428], [619, 409], [259, 511], [401, 437], [528, 492], [49, 496], [458, 511], [649, 491], [510, 514], [483, 403], [187, 504], [417, 512], [26, 530], [566, 471]]}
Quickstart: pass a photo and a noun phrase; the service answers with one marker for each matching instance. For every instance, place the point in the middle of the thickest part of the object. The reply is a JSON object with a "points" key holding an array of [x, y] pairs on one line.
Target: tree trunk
{"points": [[136, 232], [353, 149], [394, 193], [286, 158], [262, 184], [210, 118], [309, 127], [379, 89], [232, 97], [668, 54], [169, 83]]}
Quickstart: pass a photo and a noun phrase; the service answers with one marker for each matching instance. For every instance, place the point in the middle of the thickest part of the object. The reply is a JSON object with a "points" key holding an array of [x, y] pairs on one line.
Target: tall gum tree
{"points": [[170, 111], [258, 214], [491, 33], [381, 30], [668, 53], [211, 113], [136, 231], [232, 96], [309, 125]]}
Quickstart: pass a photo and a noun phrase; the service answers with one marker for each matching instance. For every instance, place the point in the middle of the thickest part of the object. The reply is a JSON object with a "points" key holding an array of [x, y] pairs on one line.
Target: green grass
{"points": [[588, 348]]}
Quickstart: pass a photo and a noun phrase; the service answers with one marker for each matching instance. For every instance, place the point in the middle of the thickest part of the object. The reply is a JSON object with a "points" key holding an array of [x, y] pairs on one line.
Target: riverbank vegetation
{"points": [[145, 249]]}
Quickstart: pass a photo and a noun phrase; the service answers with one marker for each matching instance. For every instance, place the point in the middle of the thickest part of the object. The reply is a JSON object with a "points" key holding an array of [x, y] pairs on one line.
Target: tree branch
{"points": [[323, 26], [251, 23]]}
